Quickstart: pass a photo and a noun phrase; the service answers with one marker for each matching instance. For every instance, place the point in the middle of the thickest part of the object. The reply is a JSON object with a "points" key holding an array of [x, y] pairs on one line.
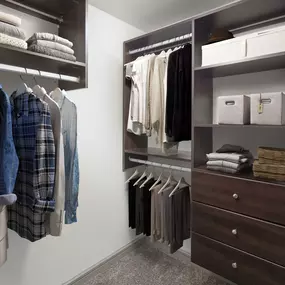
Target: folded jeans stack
{"points": [[270, 163], [230, 159], [52, 45], [10, 32]]}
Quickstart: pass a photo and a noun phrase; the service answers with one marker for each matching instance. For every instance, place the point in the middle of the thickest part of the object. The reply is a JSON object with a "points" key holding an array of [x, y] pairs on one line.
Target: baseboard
{"points": [[105, 263]]}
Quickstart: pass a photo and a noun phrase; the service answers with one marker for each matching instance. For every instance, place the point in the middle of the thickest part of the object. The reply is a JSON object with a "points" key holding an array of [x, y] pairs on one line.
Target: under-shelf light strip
{"points": [[160, 44], [34, 72], [161, 165]]}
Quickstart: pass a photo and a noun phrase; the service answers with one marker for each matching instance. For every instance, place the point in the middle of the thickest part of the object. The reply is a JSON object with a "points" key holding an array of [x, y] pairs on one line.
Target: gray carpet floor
{"points": [[149, 266]]}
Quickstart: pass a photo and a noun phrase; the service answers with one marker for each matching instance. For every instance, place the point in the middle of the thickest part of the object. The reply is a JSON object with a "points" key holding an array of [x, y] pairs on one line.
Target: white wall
{"points": [[103, 218]]}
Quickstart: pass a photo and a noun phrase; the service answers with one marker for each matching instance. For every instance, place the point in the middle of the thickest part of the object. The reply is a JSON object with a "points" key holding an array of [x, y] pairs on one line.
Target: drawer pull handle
{"points": [[234, 265], [235, 196], [234, 232]]}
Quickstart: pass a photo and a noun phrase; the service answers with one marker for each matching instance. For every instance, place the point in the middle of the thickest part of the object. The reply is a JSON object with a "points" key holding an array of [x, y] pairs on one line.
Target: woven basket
{"points": [[276, 154], [270, 161], [268, 168], [264, 175]]}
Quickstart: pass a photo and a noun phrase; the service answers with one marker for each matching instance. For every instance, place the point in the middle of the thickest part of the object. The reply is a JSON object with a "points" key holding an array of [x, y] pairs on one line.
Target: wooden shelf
{"points": [[182, 155], [243, 176], [239, 126], [247, 65]]}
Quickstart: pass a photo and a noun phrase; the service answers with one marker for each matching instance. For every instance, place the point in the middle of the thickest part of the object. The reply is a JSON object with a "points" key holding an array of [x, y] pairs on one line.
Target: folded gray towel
{"points": [[12, 31], [10, 19], [52, 52], [53, 45], [49, 37]]}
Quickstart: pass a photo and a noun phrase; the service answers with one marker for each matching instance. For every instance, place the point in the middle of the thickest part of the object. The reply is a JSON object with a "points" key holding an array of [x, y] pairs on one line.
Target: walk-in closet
{"points": [[142, 142]]}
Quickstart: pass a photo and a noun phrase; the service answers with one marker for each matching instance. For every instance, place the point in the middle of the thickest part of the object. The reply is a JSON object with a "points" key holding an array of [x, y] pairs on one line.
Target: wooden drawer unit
{"points": [[233, 264], [257, 199], [260, 238]]}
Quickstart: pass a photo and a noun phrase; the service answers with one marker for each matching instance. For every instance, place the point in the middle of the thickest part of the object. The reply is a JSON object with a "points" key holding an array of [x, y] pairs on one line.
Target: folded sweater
{"points": [[228, 164], [222, 169], [10, 19], [231, 157], [49, 37], [53, 45], [11, 41], [12, 31], [52, 52]]}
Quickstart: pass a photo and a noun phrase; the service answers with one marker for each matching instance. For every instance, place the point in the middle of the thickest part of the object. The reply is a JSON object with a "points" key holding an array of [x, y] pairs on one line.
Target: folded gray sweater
{"points": [[49, 37], [52, 52]]}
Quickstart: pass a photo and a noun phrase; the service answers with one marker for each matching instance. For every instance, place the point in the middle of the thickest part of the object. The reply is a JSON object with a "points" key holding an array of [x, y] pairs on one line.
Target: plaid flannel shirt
{"points": [[34, 142]]}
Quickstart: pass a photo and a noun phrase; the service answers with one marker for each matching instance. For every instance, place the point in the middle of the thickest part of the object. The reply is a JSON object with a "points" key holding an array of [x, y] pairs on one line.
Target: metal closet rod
{"points": [[161, 165], [34, 72], [161, 44], [60, 20]]}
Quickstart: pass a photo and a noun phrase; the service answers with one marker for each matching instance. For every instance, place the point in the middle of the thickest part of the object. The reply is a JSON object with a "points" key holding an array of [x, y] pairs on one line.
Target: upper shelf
{"points": [[29, 59], [248, 65], [239, 126], [182, 155]]}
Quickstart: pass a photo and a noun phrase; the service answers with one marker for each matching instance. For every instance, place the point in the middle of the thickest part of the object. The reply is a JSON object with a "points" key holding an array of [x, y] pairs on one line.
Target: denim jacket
{"points": [[9, 161], [69, 131]]}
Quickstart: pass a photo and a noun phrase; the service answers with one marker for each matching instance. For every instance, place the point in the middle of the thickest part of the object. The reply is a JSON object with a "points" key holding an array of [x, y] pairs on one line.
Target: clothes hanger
{"points": [[159, 179], [168, 182], [147, 180], [23, 88], [141, 178], [133, 176], [180, 182]]}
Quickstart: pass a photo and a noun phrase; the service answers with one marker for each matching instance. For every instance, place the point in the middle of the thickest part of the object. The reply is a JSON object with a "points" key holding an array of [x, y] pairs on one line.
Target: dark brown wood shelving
{"points": [[243, 176], [247, 65], [182, 155], [239, 126]]}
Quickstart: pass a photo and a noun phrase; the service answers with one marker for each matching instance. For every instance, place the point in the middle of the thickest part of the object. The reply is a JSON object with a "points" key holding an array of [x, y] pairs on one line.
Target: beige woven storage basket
{"points": [[275, 154], [268, 168], [264, 175]]}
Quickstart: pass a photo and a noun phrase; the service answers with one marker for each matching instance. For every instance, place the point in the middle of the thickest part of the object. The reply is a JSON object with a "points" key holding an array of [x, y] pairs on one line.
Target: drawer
{"points": [[233, 264], [260, 238], [256, 199]]}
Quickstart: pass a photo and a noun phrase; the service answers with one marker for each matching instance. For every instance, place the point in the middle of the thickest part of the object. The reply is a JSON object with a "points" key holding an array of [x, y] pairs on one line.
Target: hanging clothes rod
{"points": [[60, 20], [39, 73], [160, 44], [161, 165]]}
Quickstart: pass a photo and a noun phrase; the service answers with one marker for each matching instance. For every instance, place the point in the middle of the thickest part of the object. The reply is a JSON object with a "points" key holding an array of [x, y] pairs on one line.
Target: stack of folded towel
{"points": [[230, 159], [270, 163], [51, 45], [10, 32]]}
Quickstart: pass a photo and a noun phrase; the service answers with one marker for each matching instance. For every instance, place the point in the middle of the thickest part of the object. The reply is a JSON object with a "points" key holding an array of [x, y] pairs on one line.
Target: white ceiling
{"points": [[149, 15]]}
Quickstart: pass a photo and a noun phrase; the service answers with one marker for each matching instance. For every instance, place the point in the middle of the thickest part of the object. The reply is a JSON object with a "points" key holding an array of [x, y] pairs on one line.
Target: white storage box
{"points": [[267, 109], [225, 51], [234, 110], [266, 42]]}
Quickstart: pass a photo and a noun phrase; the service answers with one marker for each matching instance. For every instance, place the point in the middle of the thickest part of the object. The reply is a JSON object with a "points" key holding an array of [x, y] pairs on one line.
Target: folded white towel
{"points": [[222, 169], [49, 37], [10, 19], [11, 41], [227, 164], [231, 157]]}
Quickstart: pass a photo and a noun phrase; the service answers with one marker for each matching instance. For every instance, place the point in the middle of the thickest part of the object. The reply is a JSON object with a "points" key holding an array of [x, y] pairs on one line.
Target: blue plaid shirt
{"points": [[34, 142]]}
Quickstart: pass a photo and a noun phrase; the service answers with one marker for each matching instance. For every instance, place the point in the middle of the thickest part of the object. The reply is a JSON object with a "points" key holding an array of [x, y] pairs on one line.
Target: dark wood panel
{"points": [[260, 238], [74, 28], [254, 198], [221, 259]]}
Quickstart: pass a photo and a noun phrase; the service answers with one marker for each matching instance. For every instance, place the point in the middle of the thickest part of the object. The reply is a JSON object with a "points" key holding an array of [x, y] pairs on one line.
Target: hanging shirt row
{"points": [[39, 172], [160, 210], [160, 99]]}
